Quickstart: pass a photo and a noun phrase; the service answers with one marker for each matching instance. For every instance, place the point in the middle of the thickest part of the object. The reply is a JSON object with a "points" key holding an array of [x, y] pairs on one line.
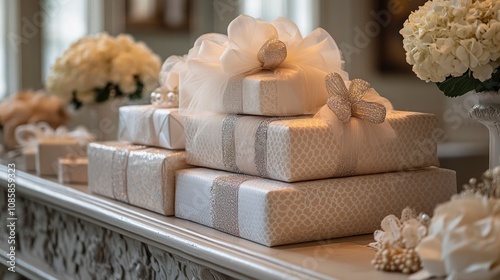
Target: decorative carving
{"points": [[77, 248]]}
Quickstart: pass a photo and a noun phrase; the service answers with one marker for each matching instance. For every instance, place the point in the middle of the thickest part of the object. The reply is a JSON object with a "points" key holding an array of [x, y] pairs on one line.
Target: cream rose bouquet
{"points": [[95, 69], [456, 44]]}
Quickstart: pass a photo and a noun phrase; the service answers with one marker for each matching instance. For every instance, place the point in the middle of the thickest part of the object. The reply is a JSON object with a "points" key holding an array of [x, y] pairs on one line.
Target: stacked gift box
{"points": [[267, 169], [140, 168]]}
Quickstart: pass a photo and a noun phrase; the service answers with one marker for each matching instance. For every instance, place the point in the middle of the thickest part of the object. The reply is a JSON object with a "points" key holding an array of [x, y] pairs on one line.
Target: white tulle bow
{"points": [[28, 135], [251, 46]]}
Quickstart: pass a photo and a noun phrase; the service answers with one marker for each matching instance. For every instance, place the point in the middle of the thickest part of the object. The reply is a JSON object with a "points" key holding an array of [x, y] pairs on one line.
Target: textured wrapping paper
{"points": [[135, 174], [276, 213], [300, 149], [151, 126], [73, 170], [267, 93], [49, 150]]}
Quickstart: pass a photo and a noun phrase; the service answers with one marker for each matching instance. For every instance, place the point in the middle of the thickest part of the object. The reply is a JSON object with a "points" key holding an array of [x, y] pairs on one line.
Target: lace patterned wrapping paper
{"points": [[138, 175], [151, 126], [268, 93], [305, 148], [277, 213]]}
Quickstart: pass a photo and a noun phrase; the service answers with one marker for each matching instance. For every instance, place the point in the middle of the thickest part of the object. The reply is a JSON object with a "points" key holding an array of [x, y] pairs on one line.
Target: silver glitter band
{"points": [[232, 99], [119, 174], [228, 145], [261, 143], [224, 202]]}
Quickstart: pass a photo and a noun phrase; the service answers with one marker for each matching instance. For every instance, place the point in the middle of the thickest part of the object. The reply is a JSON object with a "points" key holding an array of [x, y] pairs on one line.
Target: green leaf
{"points": [[102, 94], [138, 92], [457, 86]]}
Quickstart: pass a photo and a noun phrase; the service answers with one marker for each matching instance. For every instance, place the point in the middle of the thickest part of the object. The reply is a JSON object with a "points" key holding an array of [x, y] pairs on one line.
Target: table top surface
{"points": [[340, 258]]}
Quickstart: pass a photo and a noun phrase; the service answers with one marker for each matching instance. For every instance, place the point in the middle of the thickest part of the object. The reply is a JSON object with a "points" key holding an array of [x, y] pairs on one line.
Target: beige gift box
{"points": [[298, 149], [49, 150], [269, 93], [276, 213], [151, 126], [28, 157], [73, 170], [135, 174]]}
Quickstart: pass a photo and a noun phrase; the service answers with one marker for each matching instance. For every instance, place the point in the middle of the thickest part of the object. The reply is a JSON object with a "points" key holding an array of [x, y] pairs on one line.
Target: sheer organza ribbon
{"points": [[217, 63], [356, 115]]}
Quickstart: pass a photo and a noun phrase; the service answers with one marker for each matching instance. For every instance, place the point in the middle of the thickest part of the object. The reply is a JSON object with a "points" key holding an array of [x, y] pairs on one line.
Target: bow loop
{"points": [[345, 103], [272, 54]]}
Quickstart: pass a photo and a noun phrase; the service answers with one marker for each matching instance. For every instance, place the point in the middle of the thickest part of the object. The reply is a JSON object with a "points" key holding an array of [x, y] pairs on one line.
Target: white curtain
{"points": [[305, 13], [3, 50], [65, 22]]}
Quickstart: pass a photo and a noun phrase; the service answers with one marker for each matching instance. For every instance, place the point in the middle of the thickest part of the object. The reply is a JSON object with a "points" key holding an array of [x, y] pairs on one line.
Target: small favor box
{"points": [[270, 93], [73, 170], [49, 150], [28, 157], [276, 213], [298, 149], [151, 126], [135, 174]]}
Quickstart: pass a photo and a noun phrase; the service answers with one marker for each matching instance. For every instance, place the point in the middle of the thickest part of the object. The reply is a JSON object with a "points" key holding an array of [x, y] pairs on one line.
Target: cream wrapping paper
{"points": [[304, 148], [151, 126], [267, 93], [49, 150], [277, 213], [73, 170], [151, 178], [138, 175]]}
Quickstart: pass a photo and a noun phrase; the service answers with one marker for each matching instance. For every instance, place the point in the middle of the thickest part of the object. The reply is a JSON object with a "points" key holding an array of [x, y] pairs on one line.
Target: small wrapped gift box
{"points": [[135, 174], [276, 213], [28, 157], [269, 93], [298, 149], [49, 150], [151, 126], [73, 170]]}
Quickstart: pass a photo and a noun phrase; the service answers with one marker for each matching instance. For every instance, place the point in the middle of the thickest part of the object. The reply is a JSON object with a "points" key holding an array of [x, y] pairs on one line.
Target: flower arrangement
{"points": [[461, 241], [456, 44], [95, 69]]}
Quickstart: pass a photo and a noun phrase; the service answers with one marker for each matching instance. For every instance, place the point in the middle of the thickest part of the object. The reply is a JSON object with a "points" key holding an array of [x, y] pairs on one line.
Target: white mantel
{"points": [[165, 244]]}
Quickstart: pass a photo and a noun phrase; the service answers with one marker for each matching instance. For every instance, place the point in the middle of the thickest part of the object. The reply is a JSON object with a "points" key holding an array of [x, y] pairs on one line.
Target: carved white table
{"points": [[66, 232]]}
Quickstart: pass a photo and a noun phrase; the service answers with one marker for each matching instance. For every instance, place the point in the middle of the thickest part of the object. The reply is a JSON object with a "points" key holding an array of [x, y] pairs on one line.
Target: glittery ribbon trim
{"points": [[119, 174], [224, 202], [232, 99], [228, 143], [261, 143]]}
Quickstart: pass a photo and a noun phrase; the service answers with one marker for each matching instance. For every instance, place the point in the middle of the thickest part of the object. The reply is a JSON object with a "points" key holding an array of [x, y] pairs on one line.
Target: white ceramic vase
{"points": [[100, 118], [487, 112]]}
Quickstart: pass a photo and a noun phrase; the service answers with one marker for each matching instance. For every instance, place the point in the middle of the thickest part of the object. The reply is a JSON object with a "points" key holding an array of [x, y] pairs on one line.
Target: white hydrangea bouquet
{"points": [[456, 44], [97, 68]]}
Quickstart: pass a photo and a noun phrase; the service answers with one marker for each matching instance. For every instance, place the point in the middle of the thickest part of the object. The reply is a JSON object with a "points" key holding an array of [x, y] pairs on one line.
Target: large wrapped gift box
{"points": [[135, 174], [297, 149], [151, 126], [269, 93], [276, 213]]}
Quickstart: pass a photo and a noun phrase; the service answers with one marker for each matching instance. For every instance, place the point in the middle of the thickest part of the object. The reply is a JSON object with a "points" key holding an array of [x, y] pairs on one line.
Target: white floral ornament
{"points": [[346, 103], [464, 239], [397, 240]]}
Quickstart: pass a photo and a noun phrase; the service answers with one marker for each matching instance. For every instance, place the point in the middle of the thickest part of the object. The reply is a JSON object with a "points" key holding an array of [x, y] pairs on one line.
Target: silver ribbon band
{"points": [[119, 174], [348, 158], [232, 99], [228, 144], [224, 202]]}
